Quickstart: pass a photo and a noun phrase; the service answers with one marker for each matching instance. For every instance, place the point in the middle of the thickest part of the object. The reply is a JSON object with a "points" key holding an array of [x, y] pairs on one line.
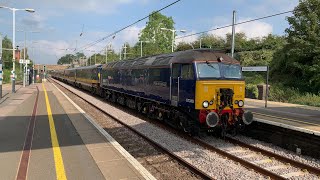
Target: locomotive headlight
{"points": [[205, 104], [236, 101], [240, 103]]}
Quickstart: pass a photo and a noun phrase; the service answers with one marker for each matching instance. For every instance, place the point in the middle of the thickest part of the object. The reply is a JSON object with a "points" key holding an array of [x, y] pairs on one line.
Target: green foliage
{"points": [[160, 40], [7, 74], [96, 58], [272, 42], [242, 43], [182, 46], [307, 99], [6, 55], [280, 93], [210, 41], [298, 63], [251, 91], [256, 58], [67, 59]]}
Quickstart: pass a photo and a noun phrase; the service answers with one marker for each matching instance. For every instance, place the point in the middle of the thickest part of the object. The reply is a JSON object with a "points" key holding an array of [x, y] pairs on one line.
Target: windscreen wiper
{"points": [[210, 65]]}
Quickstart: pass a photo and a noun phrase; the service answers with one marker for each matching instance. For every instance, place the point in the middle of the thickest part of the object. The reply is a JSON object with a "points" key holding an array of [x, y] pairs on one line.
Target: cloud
{"points": [[268, 6], [255, 29], [35, 21], [94, 6], [188, 39], [47, 52], [129, 35]]}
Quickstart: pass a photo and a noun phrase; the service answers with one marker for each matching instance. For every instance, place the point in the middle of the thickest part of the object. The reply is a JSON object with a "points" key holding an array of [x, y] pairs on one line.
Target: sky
{"points": [[55, 27]]}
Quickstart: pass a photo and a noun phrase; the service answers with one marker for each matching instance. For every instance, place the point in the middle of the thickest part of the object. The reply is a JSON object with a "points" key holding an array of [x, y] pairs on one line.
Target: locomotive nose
{"points": [[212, 119], [247, 117]]}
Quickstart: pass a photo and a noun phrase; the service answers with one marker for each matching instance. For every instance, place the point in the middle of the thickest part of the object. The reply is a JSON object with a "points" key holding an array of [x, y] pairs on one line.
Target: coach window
{"points": [[187, 71]]}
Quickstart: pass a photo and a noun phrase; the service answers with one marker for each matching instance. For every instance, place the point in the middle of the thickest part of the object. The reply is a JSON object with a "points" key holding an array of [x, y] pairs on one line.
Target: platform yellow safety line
{"points": [[282, 118], [60, 172]]}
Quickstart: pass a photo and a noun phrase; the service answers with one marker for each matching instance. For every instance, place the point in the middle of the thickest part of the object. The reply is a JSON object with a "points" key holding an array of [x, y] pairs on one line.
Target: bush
{"points": [[6, 76], [251, 91], [282, 94], [7, 73]]}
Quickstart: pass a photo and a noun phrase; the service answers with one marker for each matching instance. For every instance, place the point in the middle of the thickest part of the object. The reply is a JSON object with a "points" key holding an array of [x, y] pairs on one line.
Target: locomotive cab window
{"points": [[175, 70], [187, 71], [208, 70]]}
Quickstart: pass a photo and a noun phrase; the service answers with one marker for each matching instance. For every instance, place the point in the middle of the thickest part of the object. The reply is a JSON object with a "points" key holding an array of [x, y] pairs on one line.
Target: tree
{"points": [[210, 41], [6, 54], [182, 46], [67, 59], [160, 40], [241, 42], [298, 63], [272, 42], [95, 58]]}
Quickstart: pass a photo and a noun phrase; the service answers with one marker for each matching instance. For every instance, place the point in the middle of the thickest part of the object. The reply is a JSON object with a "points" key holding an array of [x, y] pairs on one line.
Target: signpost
{"points": [[260, 69], [27, 61]]}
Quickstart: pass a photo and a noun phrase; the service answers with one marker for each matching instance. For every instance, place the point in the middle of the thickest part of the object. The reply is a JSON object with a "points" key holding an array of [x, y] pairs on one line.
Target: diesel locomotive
{"points": [[195, 90]]}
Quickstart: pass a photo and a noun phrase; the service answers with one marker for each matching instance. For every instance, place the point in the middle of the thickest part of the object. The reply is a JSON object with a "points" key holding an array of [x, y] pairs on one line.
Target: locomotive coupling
{"points": [[212, 119], [247, 117]]}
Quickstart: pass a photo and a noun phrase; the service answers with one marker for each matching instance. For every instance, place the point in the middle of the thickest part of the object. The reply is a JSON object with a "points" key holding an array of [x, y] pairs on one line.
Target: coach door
{"points": [[174, 84]]}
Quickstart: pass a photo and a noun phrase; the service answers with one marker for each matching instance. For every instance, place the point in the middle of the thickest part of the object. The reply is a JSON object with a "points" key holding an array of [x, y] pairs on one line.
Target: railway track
{"points": [[258, 159], [250, 151]]}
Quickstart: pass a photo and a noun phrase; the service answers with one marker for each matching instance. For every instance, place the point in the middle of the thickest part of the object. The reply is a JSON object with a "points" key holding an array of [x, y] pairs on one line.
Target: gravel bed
{"points": [[221, 144], [158, 163], [215, 165], [278, 150]]}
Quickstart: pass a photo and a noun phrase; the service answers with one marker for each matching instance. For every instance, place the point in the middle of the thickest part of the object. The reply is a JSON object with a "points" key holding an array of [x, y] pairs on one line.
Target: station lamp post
{"points": [[173, 35], [141, 42], [34, 62], [108, 47], [14, 39], [25, 74]]}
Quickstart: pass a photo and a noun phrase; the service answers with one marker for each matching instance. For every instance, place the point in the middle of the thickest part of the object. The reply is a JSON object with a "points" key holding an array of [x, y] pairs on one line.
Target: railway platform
{"points": [[301, 118], [44, 135]]}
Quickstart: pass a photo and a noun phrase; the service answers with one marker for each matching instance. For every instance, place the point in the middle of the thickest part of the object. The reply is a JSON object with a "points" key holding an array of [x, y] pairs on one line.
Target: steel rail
{"points": [[276, 156]]}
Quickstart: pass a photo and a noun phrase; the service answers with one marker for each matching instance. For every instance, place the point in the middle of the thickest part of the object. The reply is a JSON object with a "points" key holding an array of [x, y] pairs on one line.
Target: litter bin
{"points": [[262, 91]]}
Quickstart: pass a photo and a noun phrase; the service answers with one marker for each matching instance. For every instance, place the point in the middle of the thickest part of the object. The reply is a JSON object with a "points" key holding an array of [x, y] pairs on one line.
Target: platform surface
{"points": [[298, 117], [58, 142]]}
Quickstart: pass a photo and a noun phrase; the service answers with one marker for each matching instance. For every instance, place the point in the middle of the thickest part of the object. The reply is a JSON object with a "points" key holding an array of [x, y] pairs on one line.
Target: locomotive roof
{"points": [[187, 56], [84, 67]]}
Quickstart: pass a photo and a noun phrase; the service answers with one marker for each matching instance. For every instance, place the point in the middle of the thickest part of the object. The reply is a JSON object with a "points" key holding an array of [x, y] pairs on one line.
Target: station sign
{"points": [[22, 61], [255, 68]]}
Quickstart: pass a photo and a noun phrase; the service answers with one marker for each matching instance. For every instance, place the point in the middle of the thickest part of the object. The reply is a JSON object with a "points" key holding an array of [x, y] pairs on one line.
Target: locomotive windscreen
{"points": [[208, 70]]}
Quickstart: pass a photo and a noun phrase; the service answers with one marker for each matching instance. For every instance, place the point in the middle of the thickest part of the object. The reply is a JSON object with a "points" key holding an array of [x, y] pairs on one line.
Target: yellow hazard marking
{"points": [[282, 118], [60, 172]]}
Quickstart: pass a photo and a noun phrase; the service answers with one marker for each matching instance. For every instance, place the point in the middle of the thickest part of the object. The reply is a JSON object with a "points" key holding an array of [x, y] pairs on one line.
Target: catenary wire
{"points": [[230, 25], [114, 33]]}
